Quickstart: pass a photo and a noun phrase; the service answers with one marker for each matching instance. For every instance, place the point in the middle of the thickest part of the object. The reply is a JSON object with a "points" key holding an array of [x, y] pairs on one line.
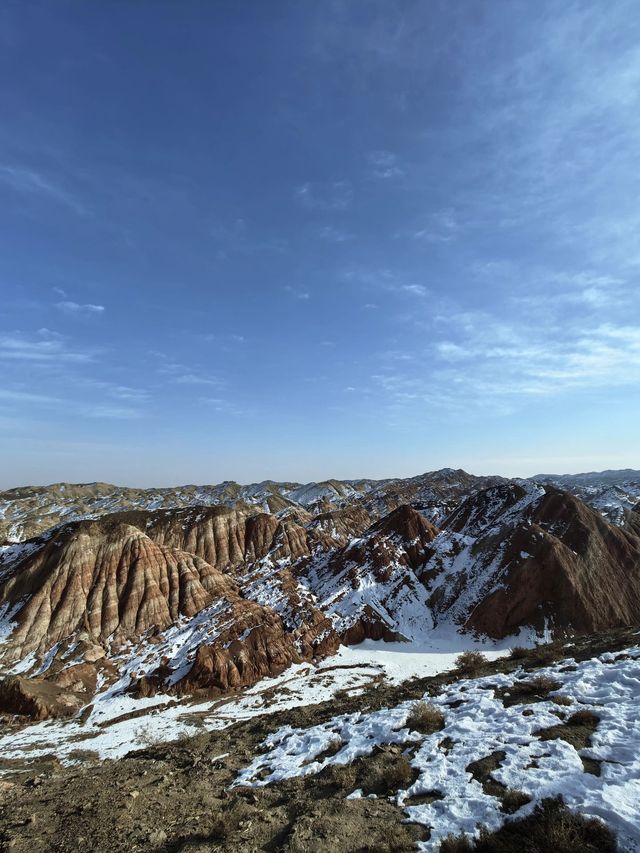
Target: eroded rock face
{"points": [[565, 567], [370, 587], [108, 579], [517, 556], [95, 586], [38, 699]]}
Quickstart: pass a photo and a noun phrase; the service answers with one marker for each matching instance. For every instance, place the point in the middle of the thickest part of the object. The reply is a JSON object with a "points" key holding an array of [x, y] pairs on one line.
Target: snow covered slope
{"points": [[540, 750]]}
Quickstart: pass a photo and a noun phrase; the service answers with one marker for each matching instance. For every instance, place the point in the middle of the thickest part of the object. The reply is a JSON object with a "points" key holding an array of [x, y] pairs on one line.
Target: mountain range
{"points": [[206, 590]]}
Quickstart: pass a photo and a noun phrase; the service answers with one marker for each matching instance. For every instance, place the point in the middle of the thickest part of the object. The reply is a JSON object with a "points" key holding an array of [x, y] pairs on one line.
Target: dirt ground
{"points": [[177, 796]]}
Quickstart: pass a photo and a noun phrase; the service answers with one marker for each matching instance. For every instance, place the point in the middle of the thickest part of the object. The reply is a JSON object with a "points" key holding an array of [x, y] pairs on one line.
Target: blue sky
{"points": [[302, 240]]}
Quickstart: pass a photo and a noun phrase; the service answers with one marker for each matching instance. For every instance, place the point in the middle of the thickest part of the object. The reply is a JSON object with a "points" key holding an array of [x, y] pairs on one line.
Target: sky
{"points": [[333, 238]]}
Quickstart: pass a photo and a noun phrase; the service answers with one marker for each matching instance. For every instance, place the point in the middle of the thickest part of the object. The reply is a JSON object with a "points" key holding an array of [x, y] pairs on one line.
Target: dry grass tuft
{"points": [[585, 718], [562, 700], [542, 684], [425, 718], [551, 827], [513, 800], [519, 653], [399, 775], [546, 654], [456, 844], [470, 663]]}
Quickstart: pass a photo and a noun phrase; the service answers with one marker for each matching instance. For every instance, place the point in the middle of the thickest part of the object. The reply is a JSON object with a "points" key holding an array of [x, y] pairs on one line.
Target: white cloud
{"points": [[414, 289], [48, 348], [102, 411], [68, 307], [442, 226], [124, 392], [239, 237], [195, 379], [222, 406]]}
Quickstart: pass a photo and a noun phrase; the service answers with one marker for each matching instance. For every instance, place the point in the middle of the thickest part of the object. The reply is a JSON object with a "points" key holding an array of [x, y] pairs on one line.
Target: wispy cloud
{"points": [[240, 237], [442, 227], [333, 235], [185, 374], [384, 165], [195, 379], [297, 292], [500, 360], [382, 280], [105, 412], [336, 195], [227, 342], [46, 348], [222, 406], [24, 180]]}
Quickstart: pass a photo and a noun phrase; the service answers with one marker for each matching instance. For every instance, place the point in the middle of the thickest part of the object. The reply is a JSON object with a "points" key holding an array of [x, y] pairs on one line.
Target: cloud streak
{"points": [[29, 182], [77, 309]]}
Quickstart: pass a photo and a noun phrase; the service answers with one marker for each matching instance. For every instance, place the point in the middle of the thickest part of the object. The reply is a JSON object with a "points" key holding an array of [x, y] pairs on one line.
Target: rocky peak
{"points": [[407, 524], [489, 507]]}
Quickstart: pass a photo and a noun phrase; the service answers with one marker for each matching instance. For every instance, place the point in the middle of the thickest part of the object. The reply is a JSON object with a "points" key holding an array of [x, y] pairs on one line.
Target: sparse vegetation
{"points": [[584, 717], [519, 653], [542, 684], [456, 844], [551, 827], [538, 655], [529, 690], [383, 772], [470, 663], [576, 730], [425, 718], [562, 700], [549, 653], [148, 738], [399, 774], [335, 745], [513, 800]]}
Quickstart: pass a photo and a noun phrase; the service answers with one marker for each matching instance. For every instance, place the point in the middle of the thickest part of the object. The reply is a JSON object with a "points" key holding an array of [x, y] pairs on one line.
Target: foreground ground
{"points": [[386, 774]]}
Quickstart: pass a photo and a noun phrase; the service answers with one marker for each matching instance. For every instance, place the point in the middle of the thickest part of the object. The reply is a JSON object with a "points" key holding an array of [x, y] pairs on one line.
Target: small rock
{"points": [[158, 836]]}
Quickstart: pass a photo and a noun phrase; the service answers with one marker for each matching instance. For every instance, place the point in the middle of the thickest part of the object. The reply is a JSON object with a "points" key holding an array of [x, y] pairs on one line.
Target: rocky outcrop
{"points": [[527, 556], [108, 579], [370, 587], [38, 699], [95, 585]]}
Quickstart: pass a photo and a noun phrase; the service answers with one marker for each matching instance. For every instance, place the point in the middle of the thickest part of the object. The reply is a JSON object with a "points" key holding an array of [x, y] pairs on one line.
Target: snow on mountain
{"points": [[612, 493]]}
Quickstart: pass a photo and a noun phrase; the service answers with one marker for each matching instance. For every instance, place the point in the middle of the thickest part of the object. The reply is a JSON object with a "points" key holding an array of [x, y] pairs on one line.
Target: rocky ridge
{"points": [[213, 598]]}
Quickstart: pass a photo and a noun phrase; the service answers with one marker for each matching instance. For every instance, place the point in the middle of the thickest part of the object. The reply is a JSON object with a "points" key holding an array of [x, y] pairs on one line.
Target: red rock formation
{"points": [[107, 582], [108, 579], [555, 562]]}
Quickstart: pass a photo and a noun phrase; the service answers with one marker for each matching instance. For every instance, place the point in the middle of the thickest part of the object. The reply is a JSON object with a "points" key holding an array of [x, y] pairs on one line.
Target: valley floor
{"points": [[332, 758]]}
